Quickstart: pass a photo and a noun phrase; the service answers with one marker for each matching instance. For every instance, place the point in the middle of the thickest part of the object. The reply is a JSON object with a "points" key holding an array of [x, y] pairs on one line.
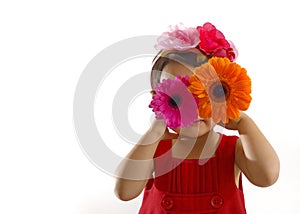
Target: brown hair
{"points": [[165, 57]]}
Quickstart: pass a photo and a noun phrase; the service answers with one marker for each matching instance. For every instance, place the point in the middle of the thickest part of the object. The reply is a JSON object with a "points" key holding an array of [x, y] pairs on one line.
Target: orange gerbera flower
{"points": [[223, 89]]}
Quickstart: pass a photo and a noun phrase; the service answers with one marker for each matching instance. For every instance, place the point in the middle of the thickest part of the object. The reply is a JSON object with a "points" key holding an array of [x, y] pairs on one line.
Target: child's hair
{"points": [[184, 57]]}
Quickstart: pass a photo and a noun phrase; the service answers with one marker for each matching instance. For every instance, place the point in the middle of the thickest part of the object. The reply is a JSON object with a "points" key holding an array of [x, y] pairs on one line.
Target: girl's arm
{"points": [[134, 171], [255, 156]]}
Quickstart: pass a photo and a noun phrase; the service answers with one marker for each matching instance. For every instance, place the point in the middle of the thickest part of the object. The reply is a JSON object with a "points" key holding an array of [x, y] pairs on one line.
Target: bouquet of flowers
{"points": [[218, 89]]}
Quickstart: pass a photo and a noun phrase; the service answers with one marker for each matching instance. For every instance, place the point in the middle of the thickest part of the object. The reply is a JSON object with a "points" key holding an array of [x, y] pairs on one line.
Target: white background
{"points": [[44, 47]]}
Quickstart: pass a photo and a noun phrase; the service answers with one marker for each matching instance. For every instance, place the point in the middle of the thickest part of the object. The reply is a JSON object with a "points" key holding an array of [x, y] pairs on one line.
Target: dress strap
{"points": [[163, 147], [226, 159], [226, 148], [163, 158]]}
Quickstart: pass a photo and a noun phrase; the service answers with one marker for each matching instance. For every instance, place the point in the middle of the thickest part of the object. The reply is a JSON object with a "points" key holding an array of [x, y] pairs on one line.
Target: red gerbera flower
{"points": [[213, 42]]}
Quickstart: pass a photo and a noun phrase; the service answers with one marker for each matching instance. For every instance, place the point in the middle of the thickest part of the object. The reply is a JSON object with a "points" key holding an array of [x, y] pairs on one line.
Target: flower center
{"points": [[174, 101], [220, 91]]}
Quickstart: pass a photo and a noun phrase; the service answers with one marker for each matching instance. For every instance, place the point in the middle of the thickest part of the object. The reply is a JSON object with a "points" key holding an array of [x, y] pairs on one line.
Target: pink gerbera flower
{"points": [[174, 103]]}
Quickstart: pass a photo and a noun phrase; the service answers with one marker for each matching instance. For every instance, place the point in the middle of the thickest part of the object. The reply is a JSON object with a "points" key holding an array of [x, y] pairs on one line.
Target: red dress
{"points": [[187, 187]]}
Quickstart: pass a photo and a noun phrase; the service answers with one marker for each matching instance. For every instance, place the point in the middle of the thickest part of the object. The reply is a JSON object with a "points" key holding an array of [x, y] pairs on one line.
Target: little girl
{"points": [[195, 169]]}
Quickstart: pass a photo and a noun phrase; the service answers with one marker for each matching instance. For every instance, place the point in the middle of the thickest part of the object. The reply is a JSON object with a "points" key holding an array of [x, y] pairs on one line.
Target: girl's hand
{"points": [[158, 127], [233, 124], [160, 130]]}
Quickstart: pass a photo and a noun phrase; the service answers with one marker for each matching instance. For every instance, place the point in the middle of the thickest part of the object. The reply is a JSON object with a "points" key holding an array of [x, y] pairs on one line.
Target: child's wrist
{"points": [[158, 128], [242, 124]]}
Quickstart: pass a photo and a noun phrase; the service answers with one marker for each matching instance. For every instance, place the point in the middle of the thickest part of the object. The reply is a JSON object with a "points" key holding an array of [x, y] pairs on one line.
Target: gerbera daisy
{"points": [[174, 103], [223, 89]]}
